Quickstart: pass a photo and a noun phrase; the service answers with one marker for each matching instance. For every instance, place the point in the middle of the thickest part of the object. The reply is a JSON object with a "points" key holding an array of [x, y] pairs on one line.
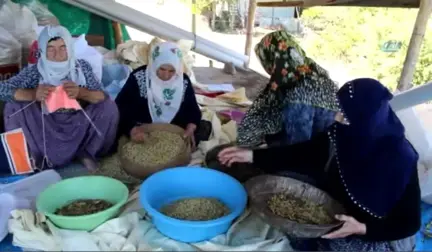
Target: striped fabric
{"points": [[14, 155]]}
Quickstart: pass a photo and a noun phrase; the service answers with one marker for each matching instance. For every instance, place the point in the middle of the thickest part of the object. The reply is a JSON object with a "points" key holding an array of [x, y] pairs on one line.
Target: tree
{"points": [[355, 36]]}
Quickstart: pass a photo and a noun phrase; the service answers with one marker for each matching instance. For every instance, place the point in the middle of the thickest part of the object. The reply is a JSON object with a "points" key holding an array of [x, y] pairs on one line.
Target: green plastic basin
{"points": [[86, 187]]}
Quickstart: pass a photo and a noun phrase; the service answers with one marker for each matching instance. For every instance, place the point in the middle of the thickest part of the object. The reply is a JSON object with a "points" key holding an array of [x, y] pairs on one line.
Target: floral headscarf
{"points": [[283, 59], [164, 97], [295, 78]]}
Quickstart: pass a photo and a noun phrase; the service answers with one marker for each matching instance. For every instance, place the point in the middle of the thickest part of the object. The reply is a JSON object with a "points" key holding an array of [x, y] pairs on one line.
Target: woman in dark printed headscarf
{"points": [[365, 162], [299, 101]]}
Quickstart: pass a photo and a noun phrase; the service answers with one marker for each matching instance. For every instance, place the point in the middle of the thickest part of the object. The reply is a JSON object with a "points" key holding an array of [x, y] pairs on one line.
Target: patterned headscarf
{"points": [[164, 97], [295, 78], [375, 159], [54, 73]]}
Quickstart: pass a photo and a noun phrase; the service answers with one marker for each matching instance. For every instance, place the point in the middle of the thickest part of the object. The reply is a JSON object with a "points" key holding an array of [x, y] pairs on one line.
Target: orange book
{"points": [[14, 153]]}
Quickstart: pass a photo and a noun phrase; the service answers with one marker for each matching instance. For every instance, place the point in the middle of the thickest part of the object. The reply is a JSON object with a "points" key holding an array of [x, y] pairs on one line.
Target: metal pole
{"points": [[146, 23], [273, 11], [194, 10]]}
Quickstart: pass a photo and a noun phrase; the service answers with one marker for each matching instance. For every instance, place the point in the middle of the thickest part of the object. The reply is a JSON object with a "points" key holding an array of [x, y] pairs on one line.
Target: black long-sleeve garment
{"points": [[134, 109], [310, 157]]}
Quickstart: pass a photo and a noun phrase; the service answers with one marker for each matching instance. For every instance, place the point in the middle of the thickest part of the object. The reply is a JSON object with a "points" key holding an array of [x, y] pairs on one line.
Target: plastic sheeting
{"points": [[10, 48], [21, 23], [114, 77], [76, 20], [90, 54], [43, 15]]}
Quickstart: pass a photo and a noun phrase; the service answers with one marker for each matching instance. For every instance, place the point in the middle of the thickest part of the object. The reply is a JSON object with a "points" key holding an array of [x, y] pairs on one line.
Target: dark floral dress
{"points": [[299, 101]]}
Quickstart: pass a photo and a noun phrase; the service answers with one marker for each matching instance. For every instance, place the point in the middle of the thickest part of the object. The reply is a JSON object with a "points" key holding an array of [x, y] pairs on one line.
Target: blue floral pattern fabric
{"points": [[29, 77], [303, 121]]}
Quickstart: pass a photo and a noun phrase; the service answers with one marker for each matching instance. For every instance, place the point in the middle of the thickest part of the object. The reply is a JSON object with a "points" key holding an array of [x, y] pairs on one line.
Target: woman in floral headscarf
{"points": [[299, 101]]}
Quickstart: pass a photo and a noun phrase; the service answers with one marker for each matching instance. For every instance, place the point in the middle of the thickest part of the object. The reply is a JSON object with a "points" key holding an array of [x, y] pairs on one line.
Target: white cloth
{"points": [[29, 231], [164, 97], [54, 73], [89, 54], [131, 233], [221, 134]]}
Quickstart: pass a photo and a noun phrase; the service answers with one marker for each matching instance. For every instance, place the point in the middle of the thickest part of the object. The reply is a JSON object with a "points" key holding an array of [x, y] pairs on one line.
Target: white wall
{"points": [[420, 136]]}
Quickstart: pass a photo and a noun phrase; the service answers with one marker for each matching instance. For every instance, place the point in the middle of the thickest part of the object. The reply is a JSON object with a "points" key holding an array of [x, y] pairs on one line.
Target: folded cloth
{"points": [[248, 233], [130, 232], [237, 97], [31, 232], [221, 134]]}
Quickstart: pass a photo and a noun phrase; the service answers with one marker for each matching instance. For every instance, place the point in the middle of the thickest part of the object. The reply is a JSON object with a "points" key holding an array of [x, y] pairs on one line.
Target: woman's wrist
{"points": [[191, 127], [90, 95], [25, 94]]}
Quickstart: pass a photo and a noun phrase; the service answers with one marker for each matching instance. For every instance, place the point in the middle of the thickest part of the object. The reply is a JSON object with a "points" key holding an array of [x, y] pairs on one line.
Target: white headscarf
{"points": [[54, 73], [164, 97]]}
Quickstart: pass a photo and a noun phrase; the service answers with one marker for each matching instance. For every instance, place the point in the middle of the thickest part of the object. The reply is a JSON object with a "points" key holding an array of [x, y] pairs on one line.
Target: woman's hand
{"points": [[91, 96], [190, 133], [43, 91], [71, 89], [350, 227], [137, 134], [232, 155]]}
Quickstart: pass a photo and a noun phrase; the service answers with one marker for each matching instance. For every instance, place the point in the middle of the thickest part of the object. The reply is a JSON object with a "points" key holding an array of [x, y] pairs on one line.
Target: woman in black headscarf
{"points": [[371, 168]]}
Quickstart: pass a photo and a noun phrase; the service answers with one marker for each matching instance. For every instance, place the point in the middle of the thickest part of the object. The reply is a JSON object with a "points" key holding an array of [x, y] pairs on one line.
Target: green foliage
{"points": [[223, 23], [355, 35]]}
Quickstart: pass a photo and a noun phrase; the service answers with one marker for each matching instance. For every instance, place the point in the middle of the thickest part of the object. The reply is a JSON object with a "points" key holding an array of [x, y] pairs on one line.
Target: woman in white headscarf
{"points": [[57, 138], [158, 93]]}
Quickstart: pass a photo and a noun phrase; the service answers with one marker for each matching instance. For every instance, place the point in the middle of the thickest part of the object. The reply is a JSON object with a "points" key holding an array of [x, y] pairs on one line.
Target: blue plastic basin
{"points": [[173, 184]]}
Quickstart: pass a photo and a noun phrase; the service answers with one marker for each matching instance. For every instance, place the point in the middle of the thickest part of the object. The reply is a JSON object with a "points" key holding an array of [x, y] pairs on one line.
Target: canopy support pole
{"points": [[250, 29], [415, 44], [118, 34], [194, 18]]}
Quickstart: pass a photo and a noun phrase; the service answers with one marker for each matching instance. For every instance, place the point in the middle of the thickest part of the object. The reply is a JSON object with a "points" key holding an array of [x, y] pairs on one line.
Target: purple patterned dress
{"points": [[68, 134]]}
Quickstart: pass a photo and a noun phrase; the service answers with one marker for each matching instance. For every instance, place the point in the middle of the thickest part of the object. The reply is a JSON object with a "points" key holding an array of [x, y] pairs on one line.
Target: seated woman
{"points": [[299, 101], [365, 162], [158, 93], [59, 137]]}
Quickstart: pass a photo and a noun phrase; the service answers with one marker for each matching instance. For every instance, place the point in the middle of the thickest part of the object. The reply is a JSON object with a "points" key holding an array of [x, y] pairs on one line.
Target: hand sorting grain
{"points": [[196, 209], [83, 207], [159, 148], [298, 210]]}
